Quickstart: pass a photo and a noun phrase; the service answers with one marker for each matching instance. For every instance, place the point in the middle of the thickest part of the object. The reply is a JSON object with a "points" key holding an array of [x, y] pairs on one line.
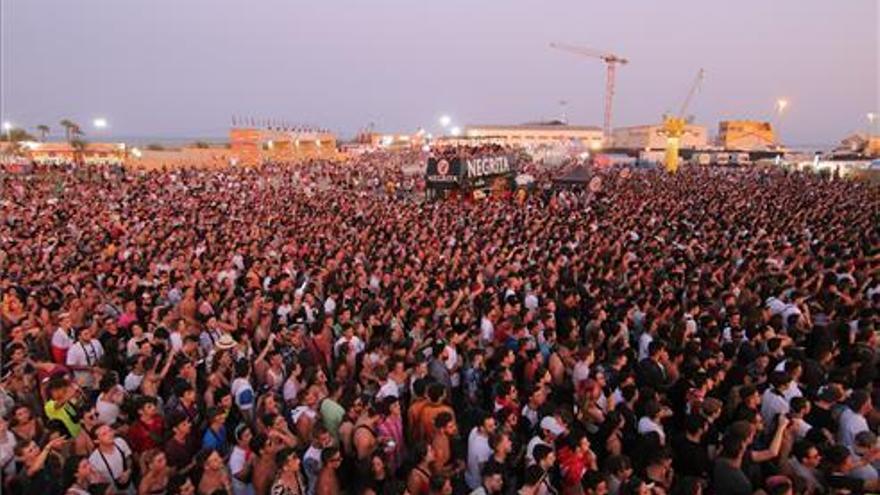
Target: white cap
{"points": [[550, 424]]}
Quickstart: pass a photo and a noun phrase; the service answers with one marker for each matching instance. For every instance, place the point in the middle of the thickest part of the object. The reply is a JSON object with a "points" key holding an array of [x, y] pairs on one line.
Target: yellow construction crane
{"points": [[674, 126], [611, 63]]}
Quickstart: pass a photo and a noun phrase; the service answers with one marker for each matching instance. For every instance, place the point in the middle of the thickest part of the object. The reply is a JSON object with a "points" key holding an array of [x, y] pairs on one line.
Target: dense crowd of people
{"points": [[280, 331]]}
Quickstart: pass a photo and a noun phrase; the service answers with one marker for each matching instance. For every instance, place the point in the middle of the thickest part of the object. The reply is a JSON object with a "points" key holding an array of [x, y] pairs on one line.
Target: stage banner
{"points": [[443, 173]]}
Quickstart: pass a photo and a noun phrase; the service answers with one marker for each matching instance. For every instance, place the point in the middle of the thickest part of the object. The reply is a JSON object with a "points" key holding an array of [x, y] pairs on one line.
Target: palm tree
{"points": [[69, 127], [79, 146], [43, 130], [16, 135], [15, 148]]}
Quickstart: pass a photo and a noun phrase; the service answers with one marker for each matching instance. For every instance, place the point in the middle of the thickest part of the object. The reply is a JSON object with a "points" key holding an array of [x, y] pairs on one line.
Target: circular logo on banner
{"points": [[443, 167]]}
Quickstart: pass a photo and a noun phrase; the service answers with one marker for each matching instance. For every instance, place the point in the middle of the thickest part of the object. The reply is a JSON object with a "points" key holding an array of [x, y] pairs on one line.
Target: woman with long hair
{"points": [[610, 435], [418, 481], [591, 413], [293, 384], [290, 480], [215, 476], [77, 475], [156, 474], [380, 478]]}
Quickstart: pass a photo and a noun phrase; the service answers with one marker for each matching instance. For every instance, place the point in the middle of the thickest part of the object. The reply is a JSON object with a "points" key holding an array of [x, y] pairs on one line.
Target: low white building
{"points": [[536, 134], [652, 137]]}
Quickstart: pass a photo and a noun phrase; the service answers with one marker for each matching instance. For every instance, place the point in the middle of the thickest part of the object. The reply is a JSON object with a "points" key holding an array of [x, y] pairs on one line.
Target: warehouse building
{"points": [[746, 135], [254, 146], [536, 134], [653, 137]]}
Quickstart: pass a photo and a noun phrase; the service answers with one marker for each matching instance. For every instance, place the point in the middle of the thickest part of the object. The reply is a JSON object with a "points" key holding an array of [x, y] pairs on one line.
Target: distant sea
{"points": [[168, 142], [143, 141]]}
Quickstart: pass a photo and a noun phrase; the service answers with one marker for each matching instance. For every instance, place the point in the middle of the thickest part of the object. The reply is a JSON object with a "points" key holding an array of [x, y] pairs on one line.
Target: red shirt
{"points": [[145, 436], [572, 465]]}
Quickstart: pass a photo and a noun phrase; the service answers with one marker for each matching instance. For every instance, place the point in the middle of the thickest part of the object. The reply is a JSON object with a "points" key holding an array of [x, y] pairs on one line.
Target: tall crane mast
{"points": [[611, 62], [674, 125], [701, 74]]}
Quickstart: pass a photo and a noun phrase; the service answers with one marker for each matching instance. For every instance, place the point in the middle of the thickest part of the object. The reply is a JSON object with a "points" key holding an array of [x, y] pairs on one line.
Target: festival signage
{"points": [[484, 166], [473, 172], [484, 171], [443, 172]]}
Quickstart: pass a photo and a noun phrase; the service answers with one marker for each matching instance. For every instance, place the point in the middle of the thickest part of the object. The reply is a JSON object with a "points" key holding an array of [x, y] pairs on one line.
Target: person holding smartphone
{"points": [[41, 470], [61, 406]]}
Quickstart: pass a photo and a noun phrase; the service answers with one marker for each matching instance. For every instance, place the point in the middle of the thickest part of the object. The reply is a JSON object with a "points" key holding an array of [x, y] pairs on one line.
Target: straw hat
{"points": [[225, 342]]}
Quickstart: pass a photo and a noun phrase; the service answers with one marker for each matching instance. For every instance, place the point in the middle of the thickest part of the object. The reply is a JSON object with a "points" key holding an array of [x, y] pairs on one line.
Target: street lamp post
{"points": [[99, 123], [871, 118], [7, 126], [781, 105]]}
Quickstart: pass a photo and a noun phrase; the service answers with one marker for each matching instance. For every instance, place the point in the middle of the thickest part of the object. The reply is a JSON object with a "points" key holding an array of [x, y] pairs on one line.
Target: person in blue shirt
{"points": [[215, 435]]}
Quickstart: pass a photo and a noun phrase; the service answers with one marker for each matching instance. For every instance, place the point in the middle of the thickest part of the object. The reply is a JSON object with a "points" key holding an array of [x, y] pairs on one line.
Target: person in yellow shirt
{"points": [[61, 407]]}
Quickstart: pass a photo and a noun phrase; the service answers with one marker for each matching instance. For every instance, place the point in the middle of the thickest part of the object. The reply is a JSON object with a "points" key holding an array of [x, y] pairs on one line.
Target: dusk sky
{"points": [[184, 67]]}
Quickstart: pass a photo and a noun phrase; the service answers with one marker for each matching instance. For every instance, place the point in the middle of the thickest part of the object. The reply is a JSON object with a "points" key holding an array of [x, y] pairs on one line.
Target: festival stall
{"points": [[471, 176], [576, 177]]}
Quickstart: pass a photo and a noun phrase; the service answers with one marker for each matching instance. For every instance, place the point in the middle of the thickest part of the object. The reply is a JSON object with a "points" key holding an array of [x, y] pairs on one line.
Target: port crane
{"points": [[611, 62], [674, 125]]}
